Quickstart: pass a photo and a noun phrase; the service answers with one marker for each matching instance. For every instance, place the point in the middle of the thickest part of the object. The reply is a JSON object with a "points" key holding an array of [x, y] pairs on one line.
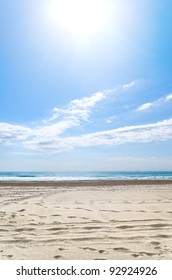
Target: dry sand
{"points": [[86, 220]]}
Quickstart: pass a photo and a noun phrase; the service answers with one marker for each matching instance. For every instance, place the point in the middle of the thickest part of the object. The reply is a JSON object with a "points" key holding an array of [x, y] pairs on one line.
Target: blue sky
{"points": [[87, 86]]}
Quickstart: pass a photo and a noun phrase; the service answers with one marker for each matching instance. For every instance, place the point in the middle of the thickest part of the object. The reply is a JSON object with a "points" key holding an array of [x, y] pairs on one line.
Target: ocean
{"points": [[99, 175]]}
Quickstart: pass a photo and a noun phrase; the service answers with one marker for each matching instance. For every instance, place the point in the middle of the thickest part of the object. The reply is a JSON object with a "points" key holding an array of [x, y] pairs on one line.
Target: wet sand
{"points": [[86, 220]]}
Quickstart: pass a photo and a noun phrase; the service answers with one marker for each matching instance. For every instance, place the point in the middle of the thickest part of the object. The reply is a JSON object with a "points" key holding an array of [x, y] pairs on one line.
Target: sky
{"points": [[85, 85]]}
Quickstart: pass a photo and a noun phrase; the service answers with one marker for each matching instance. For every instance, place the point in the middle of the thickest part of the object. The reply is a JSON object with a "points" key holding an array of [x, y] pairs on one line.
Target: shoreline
{"points": [[85, 182]]}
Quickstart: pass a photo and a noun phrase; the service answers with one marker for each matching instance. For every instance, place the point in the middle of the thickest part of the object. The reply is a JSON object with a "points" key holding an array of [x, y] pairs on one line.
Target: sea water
{"points": [[97, 175]]}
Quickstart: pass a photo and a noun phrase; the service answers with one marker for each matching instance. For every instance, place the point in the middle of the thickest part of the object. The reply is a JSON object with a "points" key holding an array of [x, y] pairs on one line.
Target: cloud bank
{"points": [[47, 138], [51, 136]]}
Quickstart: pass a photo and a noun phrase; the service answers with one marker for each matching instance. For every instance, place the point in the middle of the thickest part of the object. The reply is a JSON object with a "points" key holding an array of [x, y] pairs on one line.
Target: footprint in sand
{"points": [[22, 210], [96, 221], [147, 254], [13, 216], [3, 230], [135, 255], [155, 243], [163, 236], [57, 257], [100, 259], [124, 227], [24, 229], [57, 228], [92, 227], [121, 249], [102, 251], [56, 215], [88, 248], [2, 213], [8, 256], [61, 249]]}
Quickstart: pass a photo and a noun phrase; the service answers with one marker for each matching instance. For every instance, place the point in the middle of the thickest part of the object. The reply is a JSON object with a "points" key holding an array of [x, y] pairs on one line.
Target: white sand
{"points": [[86, 220]]}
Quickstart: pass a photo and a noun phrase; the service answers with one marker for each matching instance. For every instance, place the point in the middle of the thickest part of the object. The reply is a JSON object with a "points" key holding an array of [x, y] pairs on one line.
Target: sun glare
{"points": [[80, 17]]}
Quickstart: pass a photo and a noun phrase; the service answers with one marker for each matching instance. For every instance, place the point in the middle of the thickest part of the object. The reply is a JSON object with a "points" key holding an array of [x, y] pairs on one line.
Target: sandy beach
{"points": [[86, 220]]}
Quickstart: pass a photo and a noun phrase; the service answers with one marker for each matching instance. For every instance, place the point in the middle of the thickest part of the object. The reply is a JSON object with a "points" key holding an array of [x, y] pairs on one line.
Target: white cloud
{"points": [[78, 109], [160, 131], [168, 97], [145, 106], [132, 84], [52, 145], [71, 116], [50, 141], [109, 121], [158, 102], [140, 133], [54, 129], [49, 137], [9, 134]]}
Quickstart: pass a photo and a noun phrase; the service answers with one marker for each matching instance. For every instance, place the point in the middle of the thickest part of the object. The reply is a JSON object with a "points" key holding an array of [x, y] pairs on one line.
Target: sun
{"points": [[81, 17]]}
